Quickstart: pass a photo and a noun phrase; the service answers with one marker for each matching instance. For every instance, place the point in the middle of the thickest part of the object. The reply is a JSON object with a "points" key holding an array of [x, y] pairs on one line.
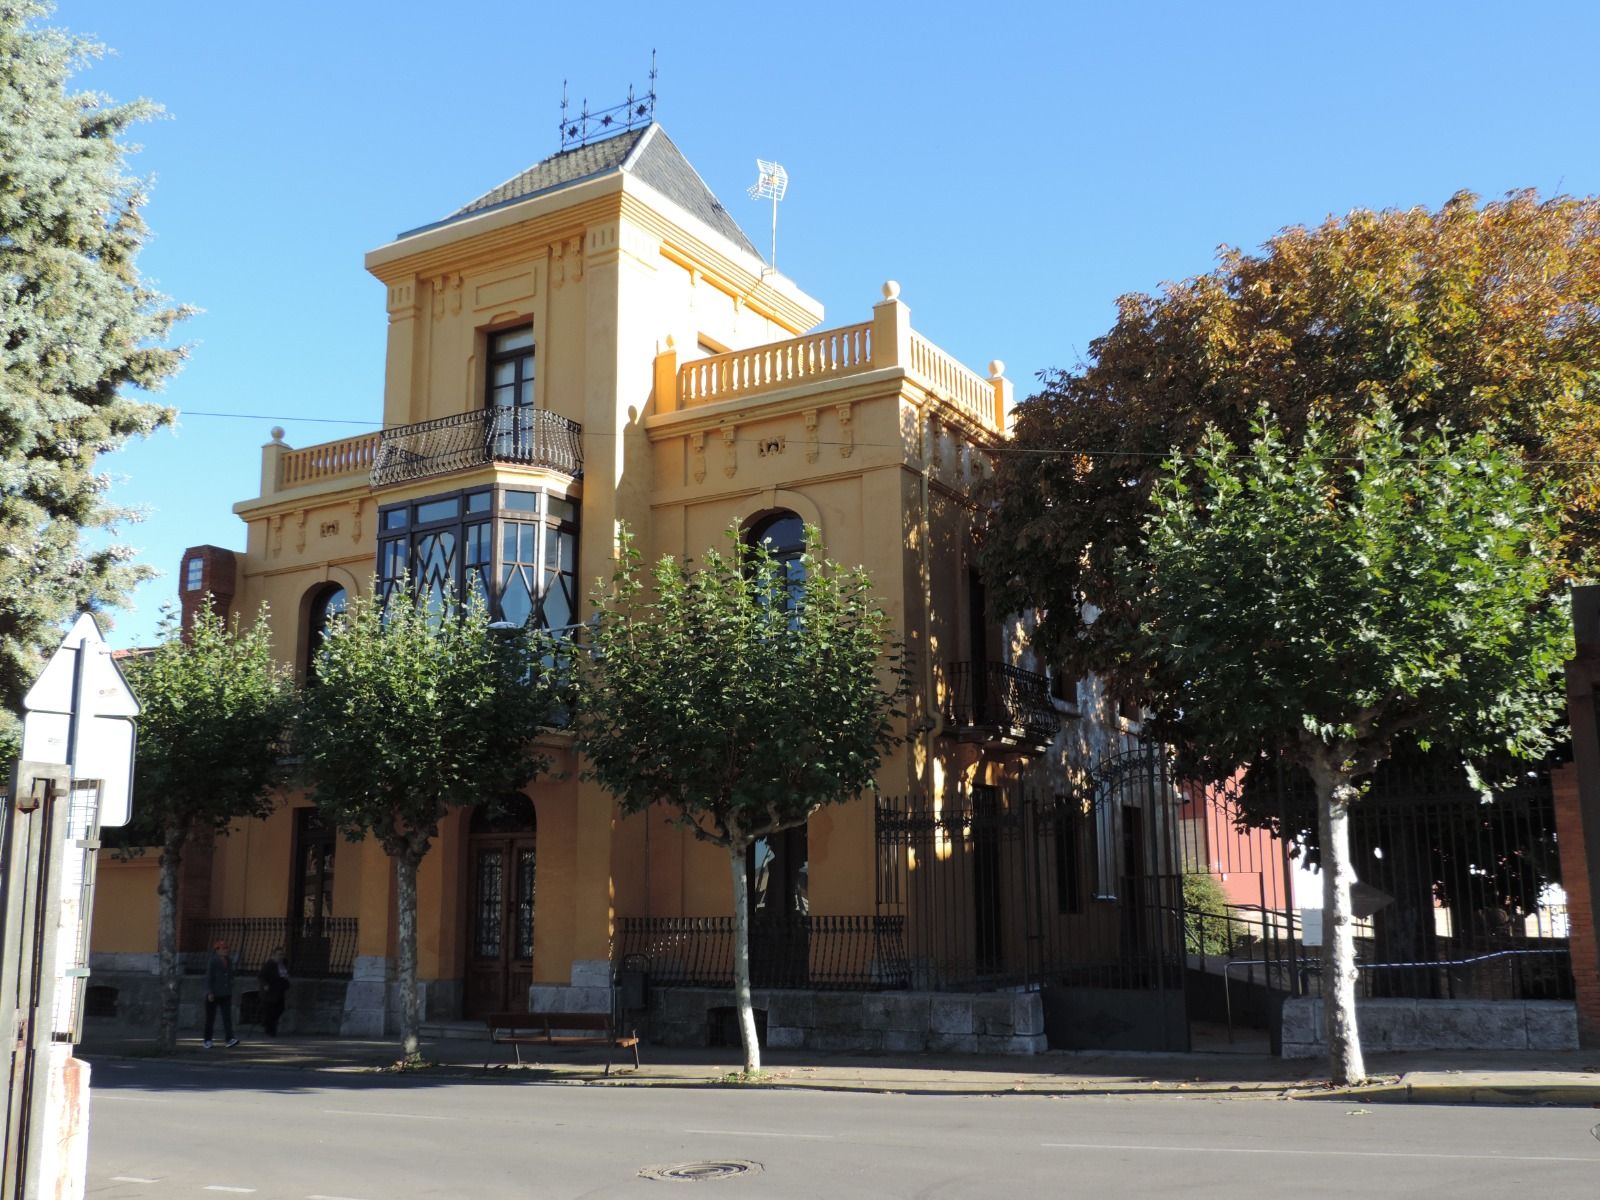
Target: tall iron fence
{"points": [[1145, 878], [1460, 891], [320, 949], [827, 953]]}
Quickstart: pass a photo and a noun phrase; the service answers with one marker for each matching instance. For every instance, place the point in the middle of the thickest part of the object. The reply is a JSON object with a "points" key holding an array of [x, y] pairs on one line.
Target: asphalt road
{"points": [[170, 1130]]}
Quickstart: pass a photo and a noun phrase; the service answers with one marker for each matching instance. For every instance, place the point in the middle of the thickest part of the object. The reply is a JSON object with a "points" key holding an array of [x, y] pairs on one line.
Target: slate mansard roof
{"points": [[647, 154]]}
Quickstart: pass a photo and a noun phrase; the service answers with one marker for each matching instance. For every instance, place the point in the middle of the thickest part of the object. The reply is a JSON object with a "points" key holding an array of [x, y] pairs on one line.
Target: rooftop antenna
{"points": [[635, 110], [772, 181]]}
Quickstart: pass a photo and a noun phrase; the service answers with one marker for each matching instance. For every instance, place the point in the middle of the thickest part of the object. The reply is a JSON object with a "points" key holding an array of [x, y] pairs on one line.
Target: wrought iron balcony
{"points": [[526, 437], [1000, 705]]}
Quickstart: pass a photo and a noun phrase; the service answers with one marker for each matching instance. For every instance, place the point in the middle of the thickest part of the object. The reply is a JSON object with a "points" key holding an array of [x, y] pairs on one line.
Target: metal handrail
{"points": [[1013, 701], [1311, 966], [529, 437]]}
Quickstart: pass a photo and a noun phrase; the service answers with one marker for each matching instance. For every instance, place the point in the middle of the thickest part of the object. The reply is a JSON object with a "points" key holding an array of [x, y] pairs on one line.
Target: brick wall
{"points": [[207, 571], [1580, 904]]}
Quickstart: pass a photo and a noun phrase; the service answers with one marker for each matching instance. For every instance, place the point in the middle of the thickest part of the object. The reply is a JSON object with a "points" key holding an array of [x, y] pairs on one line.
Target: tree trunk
{"points": [[1335, 795], [405, 868], [167, 939], [741, 959]]}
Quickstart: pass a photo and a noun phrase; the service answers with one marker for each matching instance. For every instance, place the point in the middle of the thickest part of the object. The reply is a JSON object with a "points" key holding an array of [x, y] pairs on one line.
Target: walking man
{"points": [[219, 994]]}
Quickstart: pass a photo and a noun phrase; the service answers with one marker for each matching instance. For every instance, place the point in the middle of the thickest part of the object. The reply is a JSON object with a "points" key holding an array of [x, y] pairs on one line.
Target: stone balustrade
{"points": [[326, 460], [887, 341]]}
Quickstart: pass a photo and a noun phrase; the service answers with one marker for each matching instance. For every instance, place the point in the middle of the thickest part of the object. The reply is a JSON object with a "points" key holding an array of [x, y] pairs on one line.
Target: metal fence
{"points": [[525, 436], [1145, 878], [839, 953], [321, 949]]}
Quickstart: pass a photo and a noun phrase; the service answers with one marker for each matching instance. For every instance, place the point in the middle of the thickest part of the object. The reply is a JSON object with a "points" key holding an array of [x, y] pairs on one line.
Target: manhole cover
{"points": [[694, 1172]]}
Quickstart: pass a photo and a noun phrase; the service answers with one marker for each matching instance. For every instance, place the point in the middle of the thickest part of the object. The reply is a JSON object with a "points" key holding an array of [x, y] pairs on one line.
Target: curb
{"points": [[1551, 1095]]}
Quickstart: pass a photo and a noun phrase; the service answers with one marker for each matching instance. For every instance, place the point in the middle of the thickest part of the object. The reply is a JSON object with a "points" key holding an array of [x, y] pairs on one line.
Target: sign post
{"points": [[75, 775]]}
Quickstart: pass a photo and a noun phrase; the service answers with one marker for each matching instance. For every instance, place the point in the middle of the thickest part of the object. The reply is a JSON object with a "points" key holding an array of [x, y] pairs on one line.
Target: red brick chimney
{"points": [[207, 570]]}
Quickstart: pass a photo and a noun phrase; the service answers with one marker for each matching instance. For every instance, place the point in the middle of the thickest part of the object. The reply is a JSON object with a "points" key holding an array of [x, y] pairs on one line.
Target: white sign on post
{"points": [[83, 679]]}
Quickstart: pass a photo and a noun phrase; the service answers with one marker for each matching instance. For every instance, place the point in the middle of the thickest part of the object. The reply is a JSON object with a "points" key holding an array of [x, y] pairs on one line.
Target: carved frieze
{"points": [[847, 433], [697, 456]]}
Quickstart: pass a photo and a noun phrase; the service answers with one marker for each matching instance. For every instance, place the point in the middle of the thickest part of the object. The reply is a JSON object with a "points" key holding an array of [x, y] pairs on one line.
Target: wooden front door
{"points": [[502, 861]]}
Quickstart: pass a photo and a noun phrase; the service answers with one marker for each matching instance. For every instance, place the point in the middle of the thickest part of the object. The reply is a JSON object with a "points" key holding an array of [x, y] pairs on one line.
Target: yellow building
{"points": [[595, 342]]}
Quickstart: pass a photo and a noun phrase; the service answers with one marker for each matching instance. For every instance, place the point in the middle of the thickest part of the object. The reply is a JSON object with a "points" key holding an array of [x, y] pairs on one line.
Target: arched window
{"points": [[327, 603], [783, 533]]}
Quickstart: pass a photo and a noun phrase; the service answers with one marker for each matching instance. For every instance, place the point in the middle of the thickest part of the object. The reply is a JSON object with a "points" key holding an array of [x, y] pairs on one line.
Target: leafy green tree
{"points": [[1321, 608], [742, 695], [415, 709], [1205, 914], [1483, 317], [210, 748], [76, 327]]}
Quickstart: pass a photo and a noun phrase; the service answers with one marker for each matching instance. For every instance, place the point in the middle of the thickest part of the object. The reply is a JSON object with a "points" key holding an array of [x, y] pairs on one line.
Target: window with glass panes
{"points": [[508, 391], [538, 559], [515, 549]]}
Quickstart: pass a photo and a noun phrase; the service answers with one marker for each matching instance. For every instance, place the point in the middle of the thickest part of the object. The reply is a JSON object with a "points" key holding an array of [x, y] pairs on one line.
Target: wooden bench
{"points": [[519, 1029]]}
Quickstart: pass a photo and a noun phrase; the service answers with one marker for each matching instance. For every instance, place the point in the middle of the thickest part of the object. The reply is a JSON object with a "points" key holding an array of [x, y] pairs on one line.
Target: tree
{"points": [[416, 708], [1487, 318], [1321, 609], [743, 695], [210, 748], [76, 327]]}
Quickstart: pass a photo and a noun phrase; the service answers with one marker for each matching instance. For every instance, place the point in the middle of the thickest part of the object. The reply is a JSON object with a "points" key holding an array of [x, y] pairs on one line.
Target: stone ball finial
{"points": [[891, 290], [277, 433], [997, 369]]}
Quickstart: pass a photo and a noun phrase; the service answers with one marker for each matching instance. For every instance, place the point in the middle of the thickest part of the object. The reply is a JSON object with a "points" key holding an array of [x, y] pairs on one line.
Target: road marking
{"points": [[1320, 1153], [222, 1187], [367, 1112], [99, 1096], [818, 1137], [132, 1179]]}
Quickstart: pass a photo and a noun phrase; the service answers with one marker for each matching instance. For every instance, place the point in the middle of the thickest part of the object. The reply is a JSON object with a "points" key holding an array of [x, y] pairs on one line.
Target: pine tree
{"points": [[76, 327]]}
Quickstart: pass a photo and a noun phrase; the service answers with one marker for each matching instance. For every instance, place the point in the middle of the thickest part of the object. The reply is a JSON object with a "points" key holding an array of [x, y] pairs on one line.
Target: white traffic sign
{"points": [[104, 729]]}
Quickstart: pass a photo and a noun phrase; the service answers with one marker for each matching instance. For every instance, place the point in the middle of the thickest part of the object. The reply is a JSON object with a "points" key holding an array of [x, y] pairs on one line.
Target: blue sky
{"points": [[1015, 166]]}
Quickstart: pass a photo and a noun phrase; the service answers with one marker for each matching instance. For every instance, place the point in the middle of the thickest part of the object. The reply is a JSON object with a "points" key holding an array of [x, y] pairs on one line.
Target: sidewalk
{"points": [[1567, 1079]]}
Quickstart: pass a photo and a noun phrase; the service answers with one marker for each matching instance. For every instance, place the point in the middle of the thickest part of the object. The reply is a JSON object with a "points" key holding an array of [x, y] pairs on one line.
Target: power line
{"points": [[1064, 451]]}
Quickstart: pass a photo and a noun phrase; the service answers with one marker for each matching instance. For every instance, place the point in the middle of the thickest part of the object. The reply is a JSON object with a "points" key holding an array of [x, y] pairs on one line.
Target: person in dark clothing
{"points": [[272, 982], [219, 994]]}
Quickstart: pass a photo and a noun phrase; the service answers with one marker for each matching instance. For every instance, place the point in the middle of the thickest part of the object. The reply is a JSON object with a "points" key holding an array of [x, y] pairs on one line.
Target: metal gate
{"points": [[1080, 895]]}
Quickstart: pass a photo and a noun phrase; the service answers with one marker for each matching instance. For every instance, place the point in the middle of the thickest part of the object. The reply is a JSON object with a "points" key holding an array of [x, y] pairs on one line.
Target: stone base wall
{"points": [[313, 1005], [890, 1022], [1437, 1025], [589, 991]]}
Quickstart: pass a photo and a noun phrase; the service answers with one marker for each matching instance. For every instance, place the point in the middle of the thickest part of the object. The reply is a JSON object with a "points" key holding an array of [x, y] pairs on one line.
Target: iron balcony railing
{"points": [[526, 437], [319, 948], [1000, 703], [826, 953]]}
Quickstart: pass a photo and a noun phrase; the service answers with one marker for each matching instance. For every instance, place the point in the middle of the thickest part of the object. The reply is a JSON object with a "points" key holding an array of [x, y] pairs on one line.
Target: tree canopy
{"points": [[1322, 603], [210, 748], [743, 694], [415, 708], [1485, 317], [77, 327]]}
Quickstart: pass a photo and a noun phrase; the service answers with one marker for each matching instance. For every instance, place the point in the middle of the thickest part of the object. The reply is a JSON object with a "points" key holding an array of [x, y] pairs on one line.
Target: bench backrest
{"points": [[549, 1021]]}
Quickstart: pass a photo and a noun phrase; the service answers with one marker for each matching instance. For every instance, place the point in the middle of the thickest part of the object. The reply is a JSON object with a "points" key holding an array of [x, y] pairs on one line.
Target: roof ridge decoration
{"points": [[634, 109]]}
